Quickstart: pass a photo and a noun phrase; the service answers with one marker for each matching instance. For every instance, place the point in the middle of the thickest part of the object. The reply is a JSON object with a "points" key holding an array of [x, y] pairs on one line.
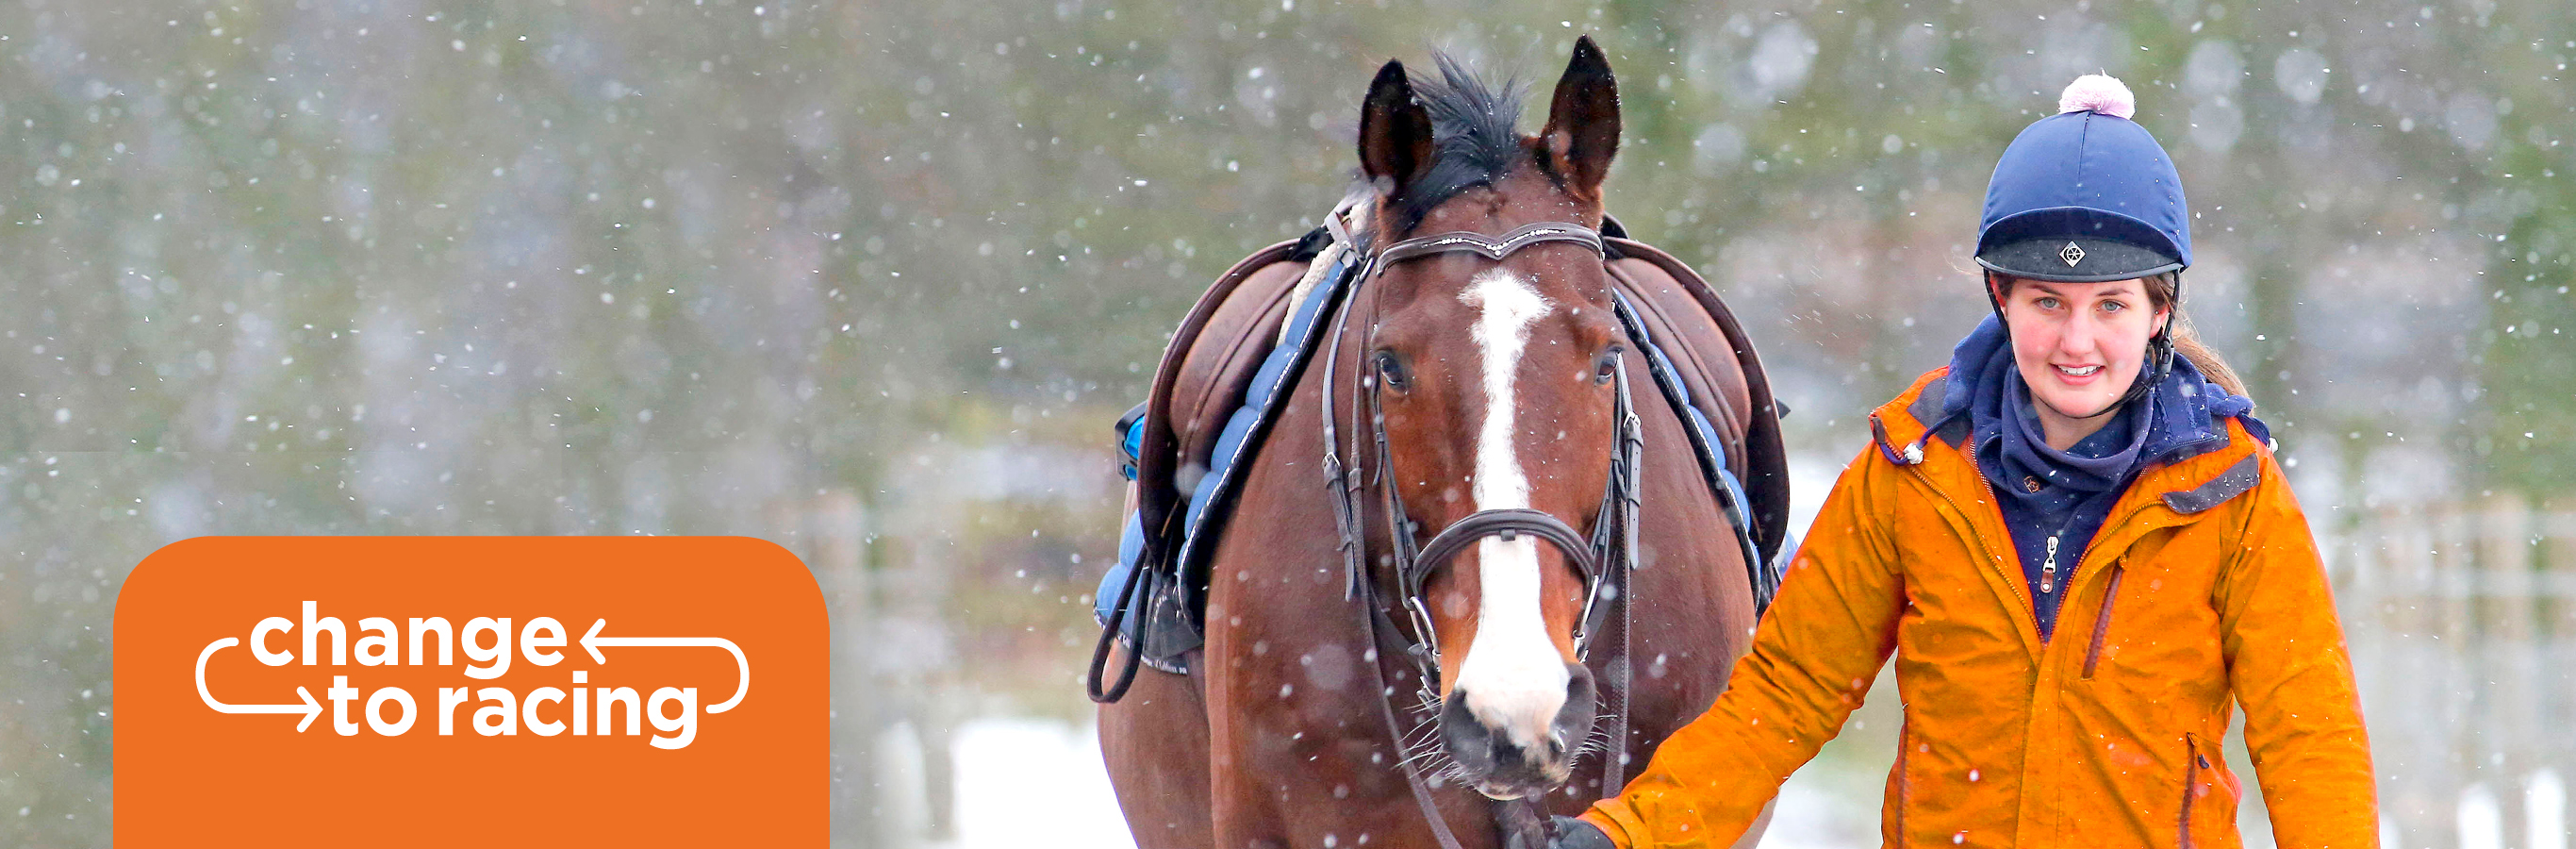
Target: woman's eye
{"points": [[2113, 306], [2045, 303]]}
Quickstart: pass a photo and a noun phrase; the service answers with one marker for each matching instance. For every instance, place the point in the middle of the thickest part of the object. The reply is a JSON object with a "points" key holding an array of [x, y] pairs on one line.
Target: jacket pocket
{"points": [[2102, 621], [2210, 794]]}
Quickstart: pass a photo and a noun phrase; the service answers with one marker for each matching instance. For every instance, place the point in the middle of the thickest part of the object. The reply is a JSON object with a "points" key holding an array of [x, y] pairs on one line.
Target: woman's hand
{"points": [[1571, 833]]}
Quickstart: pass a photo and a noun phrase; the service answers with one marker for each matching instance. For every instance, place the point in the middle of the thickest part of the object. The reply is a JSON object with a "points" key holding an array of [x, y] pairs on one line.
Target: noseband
{"points": [[1612, 542]]}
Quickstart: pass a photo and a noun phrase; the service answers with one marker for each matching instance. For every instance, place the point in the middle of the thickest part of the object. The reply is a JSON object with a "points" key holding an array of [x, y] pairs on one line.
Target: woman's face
{"points": [[2078, 345]]}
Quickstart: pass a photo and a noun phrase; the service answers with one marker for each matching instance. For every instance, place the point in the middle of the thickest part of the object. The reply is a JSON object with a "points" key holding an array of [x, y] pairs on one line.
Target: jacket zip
{"points": [[2190, 782], [2048, 574], [2190, 773], [2048, 570], [1904, 784], [2102, 621]]}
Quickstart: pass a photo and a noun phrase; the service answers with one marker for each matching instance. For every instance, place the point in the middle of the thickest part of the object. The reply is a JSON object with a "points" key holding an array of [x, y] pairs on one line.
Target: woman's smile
{"points": [[2078, 375]]}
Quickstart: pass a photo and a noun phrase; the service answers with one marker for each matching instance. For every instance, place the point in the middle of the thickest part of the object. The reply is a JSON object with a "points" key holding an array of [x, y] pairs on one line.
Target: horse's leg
{"points": [[1156, 744], [1299, 763], [1302, 757], [1243, 788]]}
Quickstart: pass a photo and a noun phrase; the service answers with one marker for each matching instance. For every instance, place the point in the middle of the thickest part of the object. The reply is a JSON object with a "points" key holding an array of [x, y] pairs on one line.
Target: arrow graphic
{"points": [[592, 641], [309, 709]]}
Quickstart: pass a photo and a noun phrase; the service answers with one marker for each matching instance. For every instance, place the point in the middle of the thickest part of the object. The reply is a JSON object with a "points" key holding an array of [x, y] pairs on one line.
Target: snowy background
{"points": [[871, 280]]}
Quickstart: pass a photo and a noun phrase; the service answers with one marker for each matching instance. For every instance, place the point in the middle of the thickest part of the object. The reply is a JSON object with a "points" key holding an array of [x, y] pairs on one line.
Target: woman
{"points": [[2080, 550]]}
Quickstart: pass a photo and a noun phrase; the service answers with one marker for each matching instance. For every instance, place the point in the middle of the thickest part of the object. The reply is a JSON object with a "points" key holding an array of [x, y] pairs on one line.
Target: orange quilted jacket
{"points": [[2201, 592]]}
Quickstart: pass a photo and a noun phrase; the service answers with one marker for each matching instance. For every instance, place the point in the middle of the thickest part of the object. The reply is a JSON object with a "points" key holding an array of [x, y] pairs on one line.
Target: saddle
{"points": [[1228, 364]]}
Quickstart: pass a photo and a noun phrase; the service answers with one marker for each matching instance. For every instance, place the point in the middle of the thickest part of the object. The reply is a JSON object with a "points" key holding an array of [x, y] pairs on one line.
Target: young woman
{"points": [[2080, 551]]}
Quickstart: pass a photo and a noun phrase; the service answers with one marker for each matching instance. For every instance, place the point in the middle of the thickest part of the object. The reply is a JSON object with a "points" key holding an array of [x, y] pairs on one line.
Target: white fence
{"points": [[2461, 617]]}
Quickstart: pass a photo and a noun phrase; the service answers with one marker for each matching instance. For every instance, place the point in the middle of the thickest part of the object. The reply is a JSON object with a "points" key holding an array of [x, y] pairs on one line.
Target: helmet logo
{"points": [[2071, 254]]}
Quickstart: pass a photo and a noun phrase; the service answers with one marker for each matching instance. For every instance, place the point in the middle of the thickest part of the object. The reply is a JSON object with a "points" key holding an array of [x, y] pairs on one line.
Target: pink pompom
{"points": [[2098, 93]]}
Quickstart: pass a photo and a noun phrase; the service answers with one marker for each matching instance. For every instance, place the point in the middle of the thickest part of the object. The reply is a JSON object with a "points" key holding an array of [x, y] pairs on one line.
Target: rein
{"points": [[1612, 543]]}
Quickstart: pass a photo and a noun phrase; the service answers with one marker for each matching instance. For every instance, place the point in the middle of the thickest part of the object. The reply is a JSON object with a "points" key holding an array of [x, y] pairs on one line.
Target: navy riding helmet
{"points": [[2084, 196]]}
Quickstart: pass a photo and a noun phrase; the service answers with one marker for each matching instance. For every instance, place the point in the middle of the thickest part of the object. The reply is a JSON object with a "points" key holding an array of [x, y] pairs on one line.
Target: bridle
{"points": [[1613, 529], [1605, 558]]}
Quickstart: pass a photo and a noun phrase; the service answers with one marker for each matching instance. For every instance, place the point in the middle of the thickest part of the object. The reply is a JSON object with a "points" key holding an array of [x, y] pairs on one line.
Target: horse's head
{"points": [[1497, 382]]}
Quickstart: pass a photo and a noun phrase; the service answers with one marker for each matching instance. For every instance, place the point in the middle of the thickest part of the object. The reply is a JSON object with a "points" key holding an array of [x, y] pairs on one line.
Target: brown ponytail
{"points": [[2160, 292]]}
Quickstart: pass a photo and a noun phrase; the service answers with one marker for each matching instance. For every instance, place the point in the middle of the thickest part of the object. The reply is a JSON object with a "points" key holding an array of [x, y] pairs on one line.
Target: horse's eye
{"points": [[1390, 370], [1607, 366]]}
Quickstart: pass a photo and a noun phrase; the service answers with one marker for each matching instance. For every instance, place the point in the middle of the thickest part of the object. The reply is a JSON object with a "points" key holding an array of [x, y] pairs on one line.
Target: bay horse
{"points": [[1459, 386]]}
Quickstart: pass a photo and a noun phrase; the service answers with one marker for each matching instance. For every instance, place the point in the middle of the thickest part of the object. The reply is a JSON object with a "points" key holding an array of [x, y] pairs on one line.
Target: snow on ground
{"points": [[1039, 782], [1025, 782]]}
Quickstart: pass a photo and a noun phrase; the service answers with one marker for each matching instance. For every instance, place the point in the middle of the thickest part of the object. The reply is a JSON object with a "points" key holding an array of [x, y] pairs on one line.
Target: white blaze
{"points": [[1513, 676]]}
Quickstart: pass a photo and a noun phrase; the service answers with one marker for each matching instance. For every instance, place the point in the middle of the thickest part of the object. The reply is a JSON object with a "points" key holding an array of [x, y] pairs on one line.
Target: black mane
{"points": [[1475, 133]]}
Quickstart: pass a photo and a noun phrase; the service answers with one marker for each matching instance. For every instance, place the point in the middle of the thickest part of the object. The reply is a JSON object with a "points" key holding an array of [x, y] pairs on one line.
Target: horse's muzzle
{"points": [[1503, 764]]}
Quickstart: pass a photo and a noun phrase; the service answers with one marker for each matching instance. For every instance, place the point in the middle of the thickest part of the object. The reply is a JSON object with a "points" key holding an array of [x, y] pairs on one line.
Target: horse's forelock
{"points": [[1475, 125]]}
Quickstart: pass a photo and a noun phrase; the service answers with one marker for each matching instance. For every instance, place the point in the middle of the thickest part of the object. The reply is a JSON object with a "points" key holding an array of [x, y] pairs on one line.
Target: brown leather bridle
{"points": [[1414, 567], [1612, 542]]}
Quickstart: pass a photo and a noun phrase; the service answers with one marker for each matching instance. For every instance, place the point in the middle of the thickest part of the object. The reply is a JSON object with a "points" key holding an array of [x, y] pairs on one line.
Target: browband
{"points": [[1491, 248]]}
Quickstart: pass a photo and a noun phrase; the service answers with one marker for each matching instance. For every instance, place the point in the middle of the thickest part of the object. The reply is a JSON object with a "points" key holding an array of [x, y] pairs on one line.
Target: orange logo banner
{"points": [[505, 691]]}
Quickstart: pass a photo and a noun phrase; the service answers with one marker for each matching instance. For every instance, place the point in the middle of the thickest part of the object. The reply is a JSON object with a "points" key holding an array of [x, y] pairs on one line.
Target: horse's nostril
{"points": [[1578, 686], [1576, 718], [1470, 743]]}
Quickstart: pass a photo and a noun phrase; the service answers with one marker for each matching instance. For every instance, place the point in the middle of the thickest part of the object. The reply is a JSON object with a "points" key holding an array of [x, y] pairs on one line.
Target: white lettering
{"points": [[497, 655], [500, 716], [686, 722], [339, 637], [528, 711], [448, 699], [387, 650], [375, 703], [259, 641], [542, 632]]}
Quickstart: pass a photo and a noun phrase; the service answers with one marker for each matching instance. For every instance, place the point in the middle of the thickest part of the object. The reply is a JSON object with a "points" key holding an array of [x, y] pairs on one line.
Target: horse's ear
{"points": [[1583, 122], [1395, 131]]}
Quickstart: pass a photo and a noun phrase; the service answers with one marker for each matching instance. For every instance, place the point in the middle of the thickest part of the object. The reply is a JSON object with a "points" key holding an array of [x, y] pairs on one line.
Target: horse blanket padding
{"points": [[1229, 367]]}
